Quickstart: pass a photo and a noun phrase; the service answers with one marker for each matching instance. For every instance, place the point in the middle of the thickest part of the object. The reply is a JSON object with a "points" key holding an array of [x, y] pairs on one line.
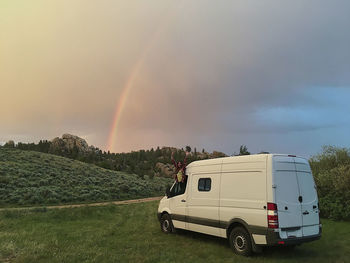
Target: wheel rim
{"points": [[240, 242], [166, 225]]}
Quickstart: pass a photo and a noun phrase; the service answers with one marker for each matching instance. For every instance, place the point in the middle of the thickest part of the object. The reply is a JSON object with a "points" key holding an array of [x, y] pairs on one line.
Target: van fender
{"points": [[250, 229], [165, 210], [235, 222]]}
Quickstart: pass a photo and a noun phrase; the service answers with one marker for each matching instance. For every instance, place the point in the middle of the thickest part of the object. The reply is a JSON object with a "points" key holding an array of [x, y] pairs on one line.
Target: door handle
{"points": [[305, 213], [183, 200]]}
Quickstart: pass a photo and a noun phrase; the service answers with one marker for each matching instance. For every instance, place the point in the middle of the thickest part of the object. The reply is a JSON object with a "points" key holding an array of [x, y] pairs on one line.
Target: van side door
{"points": [[203, 204]]}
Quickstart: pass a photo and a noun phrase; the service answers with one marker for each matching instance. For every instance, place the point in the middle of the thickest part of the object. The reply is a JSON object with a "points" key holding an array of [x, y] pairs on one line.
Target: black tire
{"points": [[166, 224], [240, 241]]}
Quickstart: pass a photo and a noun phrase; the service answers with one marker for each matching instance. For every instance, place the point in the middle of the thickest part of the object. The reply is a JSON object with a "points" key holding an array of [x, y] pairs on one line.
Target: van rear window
{"points": [[204, 184]]}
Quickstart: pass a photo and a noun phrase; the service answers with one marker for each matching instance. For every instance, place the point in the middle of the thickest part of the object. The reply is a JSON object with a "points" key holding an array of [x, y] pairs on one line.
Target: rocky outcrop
{"points": [[70, 142], [168, 170], [164, 170], [206, 155], [216, 154], [10, 144]]}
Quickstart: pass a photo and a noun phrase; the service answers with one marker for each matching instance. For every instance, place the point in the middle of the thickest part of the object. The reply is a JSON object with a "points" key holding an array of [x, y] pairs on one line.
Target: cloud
{"points": [[218, 75], [265, 74], [311, 109]]}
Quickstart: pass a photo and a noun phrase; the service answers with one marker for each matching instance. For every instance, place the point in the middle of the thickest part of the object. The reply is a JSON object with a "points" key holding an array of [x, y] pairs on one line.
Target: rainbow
{"points": [[112, 138], [121, 104]]}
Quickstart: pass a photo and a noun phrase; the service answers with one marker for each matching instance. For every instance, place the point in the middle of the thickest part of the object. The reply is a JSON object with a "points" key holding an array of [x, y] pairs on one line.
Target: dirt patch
{"points": [[133, 201]]}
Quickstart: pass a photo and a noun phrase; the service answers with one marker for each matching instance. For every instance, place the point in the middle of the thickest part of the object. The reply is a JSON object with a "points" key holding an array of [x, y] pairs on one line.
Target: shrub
{"points": [[28, 179], [331, 170]]}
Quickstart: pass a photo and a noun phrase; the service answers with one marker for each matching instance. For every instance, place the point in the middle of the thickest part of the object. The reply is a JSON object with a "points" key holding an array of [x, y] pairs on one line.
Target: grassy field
{"points": [[33, 178], [131, 233]]}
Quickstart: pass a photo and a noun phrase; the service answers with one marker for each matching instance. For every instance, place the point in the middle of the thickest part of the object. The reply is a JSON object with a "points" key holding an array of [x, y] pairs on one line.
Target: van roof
{"points": [[246, 158]]}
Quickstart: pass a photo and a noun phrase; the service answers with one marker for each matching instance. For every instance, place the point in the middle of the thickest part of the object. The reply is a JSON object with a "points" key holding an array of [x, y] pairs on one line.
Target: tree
{"points": [[158, 152], [331, 171], [243, 150], [10, 144]]}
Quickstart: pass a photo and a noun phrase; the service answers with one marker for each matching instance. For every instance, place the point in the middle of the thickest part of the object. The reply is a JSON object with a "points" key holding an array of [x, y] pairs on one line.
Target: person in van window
{"points": [[180, 168]]}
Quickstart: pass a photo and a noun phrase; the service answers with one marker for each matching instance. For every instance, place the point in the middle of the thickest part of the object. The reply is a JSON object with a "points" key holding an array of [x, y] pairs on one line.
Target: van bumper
{"points": [[273, 239]]}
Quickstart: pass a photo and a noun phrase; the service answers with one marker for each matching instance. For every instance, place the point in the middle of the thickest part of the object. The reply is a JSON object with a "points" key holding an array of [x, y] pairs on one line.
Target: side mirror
{"points": [[167, 191]]}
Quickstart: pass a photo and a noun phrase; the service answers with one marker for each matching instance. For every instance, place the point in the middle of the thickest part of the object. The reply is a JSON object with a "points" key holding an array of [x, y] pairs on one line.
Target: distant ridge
{"points": [[151, 163]]}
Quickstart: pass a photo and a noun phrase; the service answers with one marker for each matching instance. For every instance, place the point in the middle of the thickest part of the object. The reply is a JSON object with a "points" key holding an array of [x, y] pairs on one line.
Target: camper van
{"points": [[253, 201]]}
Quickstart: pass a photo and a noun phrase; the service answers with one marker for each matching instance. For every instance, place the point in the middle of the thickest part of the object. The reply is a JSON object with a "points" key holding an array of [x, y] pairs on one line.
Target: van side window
{"points": [[204, 184]]}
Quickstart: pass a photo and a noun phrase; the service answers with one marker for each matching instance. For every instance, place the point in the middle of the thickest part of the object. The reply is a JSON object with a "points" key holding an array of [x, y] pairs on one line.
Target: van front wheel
{"points": [[166, 224], [240, 241]]}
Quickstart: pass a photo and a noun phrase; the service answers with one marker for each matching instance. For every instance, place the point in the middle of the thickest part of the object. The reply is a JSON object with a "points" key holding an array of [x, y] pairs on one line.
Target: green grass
{"points": [[131, 233], [33, 178]]}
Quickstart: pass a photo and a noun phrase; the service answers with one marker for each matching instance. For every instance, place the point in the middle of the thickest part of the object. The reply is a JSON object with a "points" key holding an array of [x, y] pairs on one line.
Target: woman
{"points": [[180, 168]]}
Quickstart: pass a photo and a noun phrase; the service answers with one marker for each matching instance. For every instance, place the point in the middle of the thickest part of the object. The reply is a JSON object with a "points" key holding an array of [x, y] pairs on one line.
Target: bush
{"points": [[331, 170], [27, 178]]}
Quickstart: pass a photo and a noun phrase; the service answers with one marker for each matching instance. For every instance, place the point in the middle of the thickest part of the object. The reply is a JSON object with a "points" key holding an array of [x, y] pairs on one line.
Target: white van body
{"points": [[244, 191]]}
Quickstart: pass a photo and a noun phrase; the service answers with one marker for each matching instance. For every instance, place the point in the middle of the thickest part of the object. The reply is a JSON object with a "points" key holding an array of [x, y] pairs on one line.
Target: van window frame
{"points": [[174, 185], [205, 184]]}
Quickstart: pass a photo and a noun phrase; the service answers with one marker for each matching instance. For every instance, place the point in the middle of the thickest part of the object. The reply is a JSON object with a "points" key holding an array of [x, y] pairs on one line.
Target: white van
{"points": [[254, 201]]}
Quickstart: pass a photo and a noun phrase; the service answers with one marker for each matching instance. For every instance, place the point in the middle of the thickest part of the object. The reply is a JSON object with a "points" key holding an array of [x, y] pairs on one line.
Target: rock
{"points": [[214, 154], [164, 170], [217, 154], [10, 144], [202, 156], [70, 142]]}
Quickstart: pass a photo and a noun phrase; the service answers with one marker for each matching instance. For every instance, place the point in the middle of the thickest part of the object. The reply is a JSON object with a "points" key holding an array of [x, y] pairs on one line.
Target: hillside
{"points": [[32, 178], [153, 162]]}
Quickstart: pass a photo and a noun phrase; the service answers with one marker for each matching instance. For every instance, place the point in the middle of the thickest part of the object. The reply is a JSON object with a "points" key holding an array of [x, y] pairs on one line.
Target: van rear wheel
{"points": [[166, 224], [240, 241]]}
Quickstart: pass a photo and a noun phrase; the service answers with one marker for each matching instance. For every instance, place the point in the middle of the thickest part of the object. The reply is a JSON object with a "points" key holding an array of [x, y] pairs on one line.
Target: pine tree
{"points": [[243, 150]]}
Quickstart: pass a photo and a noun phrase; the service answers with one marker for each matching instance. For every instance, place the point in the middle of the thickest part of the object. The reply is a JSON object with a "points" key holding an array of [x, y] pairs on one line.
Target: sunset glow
{"points": [[128, 75]]}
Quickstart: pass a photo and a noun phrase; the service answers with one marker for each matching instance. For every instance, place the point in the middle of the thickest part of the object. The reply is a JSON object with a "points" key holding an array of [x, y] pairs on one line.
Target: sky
{"points": [[129, 75]]}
